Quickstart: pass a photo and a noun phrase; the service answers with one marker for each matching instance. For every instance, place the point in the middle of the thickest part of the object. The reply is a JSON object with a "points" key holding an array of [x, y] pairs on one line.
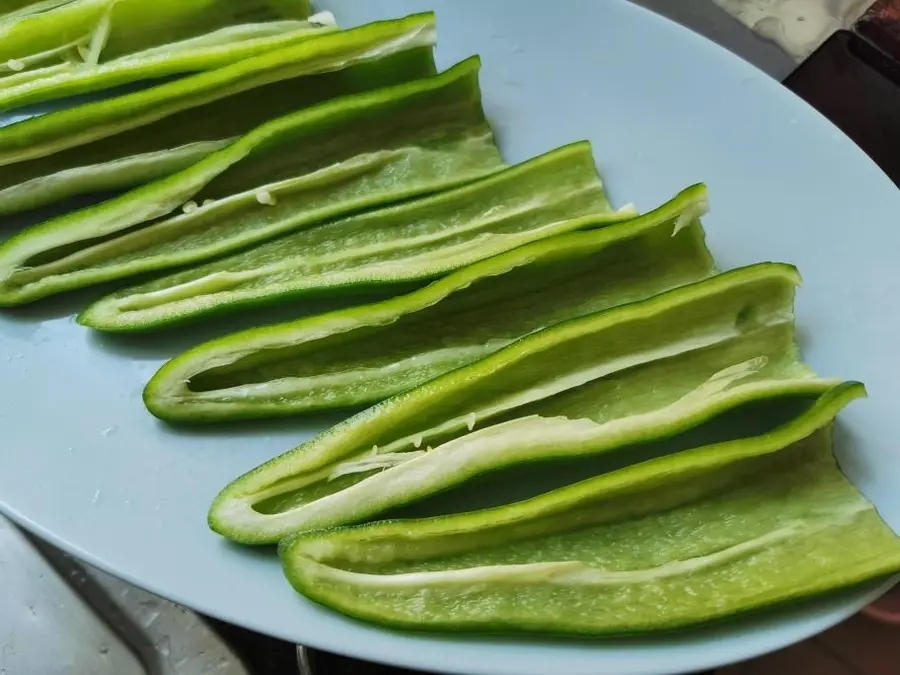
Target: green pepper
{"points": [[343, 156], [364, 354], [136, 137], [68, 40], [208, 51], [16, 9], [687, 539], [34, 28], [408, 242], [205, 52], [639, 372]]}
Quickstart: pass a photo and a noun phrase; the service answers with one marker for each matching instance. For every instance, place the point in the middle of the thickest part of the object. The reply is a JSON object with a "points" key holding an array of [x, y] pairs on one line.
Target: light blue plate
{"points": [[83, 464]]}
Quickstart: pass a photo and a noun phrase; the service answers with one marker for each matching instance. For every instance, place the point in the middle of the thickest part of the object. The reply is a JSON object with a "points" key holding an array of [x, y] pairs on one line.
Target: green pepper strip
{"points": [[16, 9], [694, 537], [407, 242], [122, 27], [364, 354], [84, 144], [642, 371], [343, 156], [216, 49]]}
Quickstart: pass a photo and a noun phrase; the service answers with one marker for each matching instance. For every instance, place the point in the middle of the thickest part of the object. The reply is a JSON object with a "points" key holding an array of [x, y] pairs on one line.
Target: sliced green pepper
{"points": [[343, 156], [16, 9], [408, 242], [364, 354], [175, 143], [83, 31], [695, 537], [212, 50], [130, 139], [639, 372]]}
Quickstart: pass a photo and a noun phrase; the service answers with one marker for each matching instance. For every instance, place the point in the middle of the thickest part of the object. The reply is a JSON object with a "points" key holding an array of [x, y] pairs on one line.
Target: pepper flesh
{"points": [[407, 242], [133, 25], [648, 370], [68, 75], [133, 138], [715, 531], [344, 156], [364, 354], [16, 9]]}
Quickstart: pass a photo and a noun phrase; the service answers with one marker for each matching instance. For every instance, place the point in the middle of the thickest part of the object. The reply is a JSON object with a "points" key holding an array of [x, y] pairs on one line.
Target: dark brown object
{"points": [[880, 25], [857, 86]]}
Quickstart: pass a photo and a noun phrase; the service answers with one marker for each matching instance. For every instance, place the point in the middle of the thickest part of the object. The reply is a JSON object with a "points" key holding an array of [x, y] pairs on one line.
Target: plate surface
{"points": [[83, 464]]}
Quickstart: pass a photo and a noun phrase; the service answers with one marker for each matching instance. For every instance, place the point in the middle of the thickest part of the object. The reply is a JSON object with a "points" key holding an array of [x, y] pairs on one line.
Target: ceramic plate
{"points": [[83, 464]]}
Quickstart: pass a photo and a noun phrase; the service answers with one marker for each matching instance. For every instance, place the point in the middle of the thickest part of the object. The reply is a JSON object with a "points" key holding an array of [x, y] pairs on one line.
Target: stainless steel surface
{"points": [[58, 616], [45, 627]]}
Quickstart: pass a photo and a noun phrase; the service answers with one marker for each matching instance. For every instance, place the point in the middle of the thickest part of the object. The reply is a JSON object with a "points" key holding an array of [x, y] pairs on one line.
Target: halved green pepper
{"points": [[344, 156], [412, 241], [364, 354], [38, 32], [691, 538], [640, 372], [11, 10], [177, 38], [136, 137]]}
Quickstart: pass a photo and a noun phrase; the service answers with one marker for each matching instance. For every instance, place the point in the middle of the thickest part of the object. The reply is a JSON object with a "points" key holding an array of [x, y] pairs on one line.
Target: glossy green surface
{"points": [[211, 35], [415, 240], [11, 10], [41, 28], [344, 156], [690, 538], [640, 372], [136, 137], [364, 354]]}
